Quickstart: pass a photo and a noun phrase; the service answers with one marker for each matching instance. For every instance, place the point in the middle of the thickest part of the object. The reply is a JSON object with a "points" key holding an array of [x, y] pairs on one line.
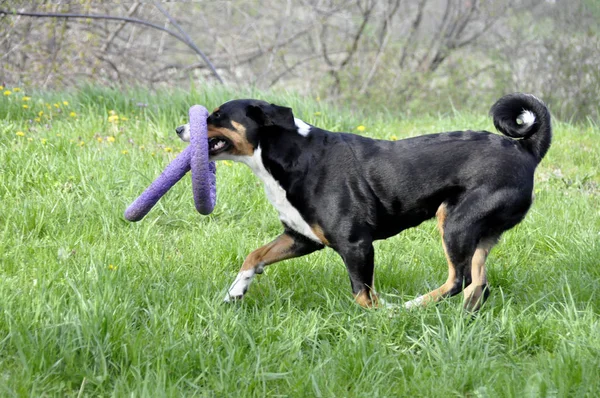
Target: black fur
{"points": [[358, 189], [505, 113]]}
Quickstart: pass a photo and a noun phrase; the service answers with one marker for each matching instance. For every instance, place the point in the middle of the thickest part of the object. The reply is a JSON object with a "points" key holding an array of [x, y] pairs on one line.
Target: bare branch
{"points": [[188, 40], [114, 34], [112, 18], [383, 40], [366, 15], [410, 42]]}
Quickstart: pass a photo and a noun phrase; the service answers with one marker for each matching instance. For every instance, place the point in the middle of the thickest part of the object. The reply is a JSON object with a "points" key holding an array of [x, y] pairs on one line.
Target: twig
{"points": [[413, 31], [114, 34], [188, 40], [383, 40], [275, 47], [290, 69], [112, 18]]}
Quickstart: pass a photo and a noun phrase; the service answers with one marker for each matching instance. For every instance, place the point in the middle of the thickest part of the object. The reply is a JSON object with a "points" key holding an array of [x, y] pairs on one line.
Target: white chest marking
{"points": [[303, 128], [288, 214]]}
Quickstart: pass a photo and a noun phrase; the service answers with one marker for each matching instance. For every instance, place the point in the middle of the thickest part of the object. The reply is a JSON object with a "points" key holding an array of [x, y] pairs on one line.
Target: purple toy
{"points": [[195, 156]]}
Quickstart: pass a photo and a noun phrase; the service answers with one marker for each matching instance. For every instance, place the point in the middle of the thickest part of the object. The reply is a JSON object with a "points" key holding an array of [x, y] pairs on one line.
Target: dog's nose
{"points": [[179, 130]]}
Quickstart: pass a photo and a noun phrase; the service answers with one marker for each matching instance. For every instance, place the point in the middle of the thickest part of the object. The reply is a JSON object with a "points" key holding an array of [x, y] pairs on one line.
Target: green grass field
{"points": [[92, 305]]}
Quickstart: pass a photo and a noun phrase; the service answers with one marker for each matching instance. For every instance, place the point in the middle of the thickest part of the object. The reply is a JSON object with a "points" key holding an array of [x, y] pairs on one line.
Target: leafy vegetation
{"points": [[425, 55], [91, 305]]}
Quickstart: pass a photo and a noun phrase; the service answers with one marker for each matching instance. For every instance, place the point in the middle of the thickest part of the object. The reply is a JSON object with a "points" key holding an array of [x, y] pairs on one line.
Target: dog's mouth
{"points": [[218, 145]]}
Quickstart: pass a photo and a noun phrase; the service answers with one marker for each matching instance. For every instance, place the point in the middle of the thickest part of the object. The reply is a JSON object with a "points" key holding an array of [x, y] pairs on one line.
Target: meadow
{"points": [[92, 305]]}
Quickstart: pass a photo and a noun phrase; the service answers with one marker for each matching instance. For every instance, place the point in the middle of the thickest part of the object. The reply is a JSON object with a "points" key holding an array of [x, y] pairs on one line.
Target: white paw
{"points": [[414, 303], [240, 285], [388, 306]]}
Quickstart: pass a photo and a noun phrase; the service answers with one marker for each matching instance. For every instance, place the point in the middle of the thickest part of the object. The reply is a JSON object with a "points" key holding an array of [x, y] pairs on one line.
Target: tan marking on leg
{"points": [[474, 292], [277, 250], [318, 231], [441, 217], [437, 294], [367, 298], [282, 248]]}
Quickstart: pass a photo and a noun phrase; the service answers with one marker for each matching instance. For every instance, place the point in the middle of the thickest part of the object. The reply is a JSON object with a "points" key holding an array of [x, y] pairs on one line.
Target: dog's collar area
{"points": [[302, 127]]}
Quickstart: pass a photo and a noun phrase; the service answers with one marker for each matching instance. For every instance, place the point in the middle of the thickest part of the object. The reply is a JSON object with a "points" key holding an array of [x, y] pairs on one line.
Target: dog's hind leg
{"points": [[458, 248], [477, 292], [285, 246]]}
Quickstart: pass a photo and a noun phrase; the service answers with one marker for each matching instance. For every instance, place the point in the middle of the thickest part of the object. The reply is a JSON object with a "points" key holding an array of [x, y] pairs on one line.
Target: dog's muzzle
{"points": [[183, 132]]}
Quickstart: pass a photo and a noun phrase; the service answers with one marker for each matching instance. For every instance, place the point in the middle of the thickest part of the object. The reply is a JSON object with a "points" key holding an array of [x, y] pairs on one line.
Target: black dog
{"points": [[345, 191]]}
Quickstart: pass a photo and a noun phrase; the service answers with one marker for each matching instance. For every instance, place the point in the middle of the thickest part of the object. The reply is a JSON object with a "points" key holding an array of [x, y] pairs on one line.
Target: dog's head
{"points": [[236, 127]]}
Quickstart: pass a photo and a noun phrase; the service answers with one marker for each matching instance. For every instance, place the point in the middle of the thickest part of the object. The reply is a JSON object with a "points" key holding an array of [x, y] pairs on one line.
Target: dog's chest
{"points": [[288, 214]]}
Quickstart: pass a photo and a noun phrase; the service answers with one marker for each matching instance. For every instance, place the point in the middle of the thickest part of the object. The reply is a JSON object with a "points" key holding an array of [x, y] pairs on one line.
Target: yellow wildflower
{"points": [[361, 128], [125, 152], [43, 140], [29, 139], [110, 139], [81, 143], [123, 118], [7, 92], [73, 114], [40, 113], [111, 112], [168, 149], [66, 103], [56, 105], [25, 106], [37, 119], [228, 163], [1, 87], [113, 119], [152, 154], [394, 138], [26, 98], [112, 267], [16, 89], [317, 113], [20, 134], [48, 106], [99, 139], [142, 147]]}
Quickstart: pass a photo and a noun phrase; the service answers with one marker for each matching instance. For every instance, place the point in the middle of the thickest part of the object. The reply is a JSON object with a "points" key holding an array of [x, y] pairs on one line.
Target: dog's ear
{"points": [[272, 115]]}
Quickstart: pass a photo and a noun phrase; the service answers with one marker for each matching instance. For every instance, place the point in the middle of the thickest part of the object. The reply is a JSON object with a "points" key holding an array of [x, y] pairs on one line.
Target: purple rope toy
{"points": [[195, 156]]}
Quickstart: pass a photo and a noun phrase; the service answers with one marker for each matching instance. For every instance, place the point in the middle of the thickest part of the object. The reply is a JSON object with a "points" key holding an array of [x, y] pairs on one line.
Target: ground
{"points": [[91, 304]]}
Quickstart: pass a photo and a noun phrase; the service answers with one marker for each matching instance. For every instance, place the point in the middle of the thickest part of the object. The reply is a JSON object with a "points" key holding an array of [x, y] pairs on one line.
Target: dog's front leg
{"points": [[285, 246], [359, 258]]}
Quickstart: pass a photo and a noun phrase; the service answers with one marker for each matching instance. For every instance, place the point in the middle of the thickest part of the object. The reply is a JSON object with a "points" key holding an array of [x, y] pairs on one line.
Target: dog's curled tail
{"points": [[524, 116]]}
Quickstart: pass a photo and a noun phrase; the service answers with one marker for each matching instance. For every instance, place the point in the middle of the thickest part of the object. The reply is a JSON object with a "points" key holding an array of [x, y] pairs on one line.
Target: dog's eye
{"points": [[216, 115]]}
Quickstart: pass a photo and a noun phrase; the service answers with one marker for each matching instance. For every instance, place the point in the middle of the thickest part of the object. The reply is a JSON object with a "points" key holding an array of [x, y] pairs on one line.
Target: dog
{"points": [[344, 191]]}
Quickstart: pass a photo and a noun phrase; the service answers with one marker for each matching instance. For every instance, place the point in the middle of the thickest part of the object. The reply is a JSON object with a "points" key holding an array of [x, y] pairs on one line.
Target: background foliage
{"points": [[421, 56], [93, 305]]}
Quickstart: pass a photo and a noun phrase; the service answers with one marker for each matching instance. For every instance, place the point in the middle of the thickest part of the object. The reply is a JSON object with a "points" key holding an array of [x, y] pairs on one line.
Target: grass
{"points": [[91, 305]]}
